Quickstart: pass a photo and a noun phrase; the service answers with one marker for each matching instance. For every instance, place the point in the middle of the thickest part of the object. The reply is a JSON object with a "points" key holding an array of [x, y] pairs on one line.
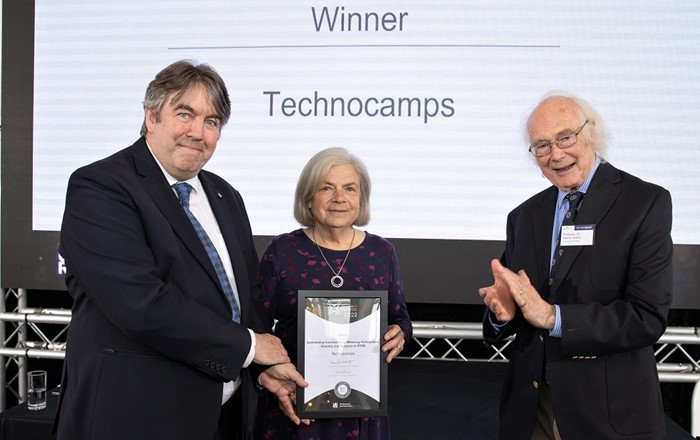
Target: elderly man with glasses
{"points": [[584, 284]]}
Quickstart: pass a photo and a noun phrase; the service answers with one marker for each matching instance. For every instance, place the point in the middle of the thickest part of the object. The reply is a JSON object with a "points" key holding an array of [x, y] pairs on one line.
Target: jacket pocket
{"points": [[122, 352]]}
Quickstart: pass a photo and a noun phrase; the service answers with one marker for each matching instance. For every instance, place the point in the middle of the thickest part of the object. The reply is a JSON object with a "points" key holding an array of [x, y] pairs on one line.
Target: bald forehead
{"points": [[556, 111]]}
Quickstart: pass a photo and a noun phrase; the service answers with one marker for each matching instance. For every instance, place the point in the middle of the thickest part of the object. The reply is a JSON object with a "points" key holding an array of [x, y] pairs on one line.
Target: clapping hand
{"points": [[510, 290]]}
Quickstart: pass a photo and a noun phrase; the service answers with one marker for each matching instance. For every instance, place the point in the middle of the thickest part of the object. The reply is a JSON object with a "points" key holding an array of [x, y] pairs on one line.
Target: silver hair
{"points": [[311, 179], [595, 132]]}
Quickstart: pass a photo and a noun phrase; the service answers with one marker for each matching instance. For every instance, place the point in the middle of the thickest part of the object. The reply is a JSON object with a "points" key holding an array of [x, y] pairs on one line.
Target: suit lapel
{"points": [[599, 198], [543, 221], [155, 183], [226, 219]]}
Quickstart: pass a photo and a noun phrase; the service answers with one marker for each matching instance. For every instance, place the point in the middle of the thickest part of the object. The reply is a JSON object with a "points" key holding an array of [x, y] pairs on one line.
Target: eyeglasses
{"points": [[565, 139]]}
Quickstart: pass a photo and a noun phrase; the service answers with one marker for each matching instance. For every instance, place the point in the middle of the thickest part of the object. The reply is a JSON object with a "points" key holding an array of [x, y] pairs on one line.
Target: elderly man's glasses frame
{"points": [[564, 140]]}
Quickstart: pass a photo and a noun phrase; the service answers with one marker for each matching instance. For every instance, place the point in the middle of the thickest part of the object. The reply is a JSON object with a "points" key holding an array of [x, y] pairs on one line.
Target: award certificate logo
{"points": [[342, 390]]}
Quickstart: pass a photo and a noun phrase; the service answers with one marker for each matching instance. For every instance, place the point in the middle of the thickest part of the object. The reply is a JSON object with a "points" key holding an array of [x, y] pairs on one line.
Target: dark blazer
{"points": [[151, 339], [614, 298]]}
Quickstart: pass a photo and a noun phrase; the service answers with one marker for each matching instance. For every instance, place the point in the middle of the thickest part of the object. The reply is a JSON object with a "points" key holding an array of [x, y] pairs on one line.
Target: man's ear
{"points": [[151, 118]]}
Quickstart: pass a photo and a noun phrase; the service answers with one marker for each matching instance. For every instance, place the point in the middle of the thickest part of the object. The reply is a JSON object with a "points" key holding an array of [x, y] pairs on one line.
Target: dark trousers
{"points": [[545, 425]]}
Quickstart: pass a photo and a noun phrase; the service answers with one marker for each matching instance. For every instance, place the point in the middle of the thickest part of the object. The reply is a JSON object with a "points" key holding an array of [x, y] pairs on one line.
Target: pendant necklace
{"points": [[337, 281]]}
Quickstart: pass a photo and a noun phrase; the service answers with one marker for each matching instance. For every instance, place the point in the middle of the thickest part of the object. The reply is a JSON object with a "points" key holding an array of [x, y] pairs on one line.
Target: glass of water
{"points": [[36, 390]]}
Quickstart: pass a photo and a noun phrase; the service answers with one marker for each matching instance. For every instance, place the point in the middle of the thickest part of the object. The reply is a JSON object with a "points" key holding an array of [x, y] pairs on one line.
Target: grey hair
{"points": [[595, 131], [311, 179], [179, 78]]}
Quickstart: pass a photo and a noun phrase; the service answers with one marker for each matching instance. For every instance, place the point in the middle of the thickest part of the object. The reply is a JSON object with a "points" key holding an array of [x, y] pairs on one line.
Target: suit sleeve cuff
{"points": [[251, 353], [495, 325], [556, 331]]}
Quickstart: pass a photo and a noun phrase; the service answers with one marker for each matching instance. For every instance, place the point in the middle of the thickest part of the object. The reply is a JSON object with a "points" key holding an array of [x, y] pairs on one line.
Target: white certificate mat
{"points": [[339, 353]]}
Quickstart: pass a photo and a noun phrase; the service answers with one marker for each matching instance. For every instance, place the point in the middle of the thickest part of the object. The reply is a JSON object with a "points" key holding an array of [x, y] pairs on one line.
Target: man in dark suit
{"points": [[160, 339], [588, 302]]}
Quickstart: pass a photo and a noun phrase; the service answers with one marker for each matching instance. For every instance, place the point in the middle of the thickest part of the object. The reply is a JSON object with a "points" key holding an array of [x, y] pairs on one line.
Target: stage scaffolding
{"points": [[25, 333]]}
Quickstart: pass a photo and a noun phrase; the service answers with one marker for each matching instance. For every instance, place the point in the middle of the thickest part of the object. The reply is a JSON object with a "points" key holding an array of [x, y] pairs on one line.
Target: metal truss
{"points": [[27, 333], [442, 340], [24, 334]]}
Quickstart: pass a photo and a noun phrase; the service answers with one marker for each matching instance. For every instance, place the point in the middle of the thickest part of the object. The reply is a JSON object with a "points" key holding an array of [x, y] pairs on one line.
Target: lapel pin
{"points": [[219, 195]]}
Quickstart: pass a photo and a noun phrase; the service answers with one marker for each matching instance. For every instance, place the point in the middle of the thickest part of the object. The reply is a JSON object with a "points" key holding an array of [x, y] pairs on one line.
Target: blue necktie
{"points": [[183, 193], [574, 199]]}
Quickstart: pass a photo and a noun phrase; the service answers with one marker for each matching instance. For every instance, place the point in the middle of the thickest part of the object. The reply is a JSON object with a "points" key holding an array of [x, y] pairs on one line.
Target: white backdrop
{"points": [[449, 170]]}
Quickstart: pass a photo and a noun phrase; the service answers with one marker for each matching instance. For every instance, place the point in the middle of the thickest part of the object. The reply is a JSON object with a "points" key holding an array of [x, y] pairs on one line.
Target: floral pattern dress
{"points": [[292, 262]]}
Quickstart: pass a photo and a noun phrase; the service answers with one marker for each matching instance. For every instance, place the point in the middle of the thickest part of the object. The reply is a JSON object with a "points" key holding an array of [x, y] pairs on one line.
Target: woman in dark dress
{"points": [[332, 197]]}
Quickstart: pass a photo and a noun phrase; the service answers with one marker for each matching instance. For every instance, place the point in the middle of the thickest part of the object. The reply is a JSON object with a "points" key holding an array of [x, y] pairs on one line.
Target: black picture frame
{"points": [[346, 311]]}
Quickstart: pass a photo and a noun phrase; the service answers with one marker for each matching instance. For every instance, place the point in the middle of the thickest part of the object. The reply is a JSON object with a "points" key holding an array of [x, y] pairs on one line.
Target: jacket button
{"points": [[551, 280], [541, 338], [206, 363], [224, 369], [535, 384]]}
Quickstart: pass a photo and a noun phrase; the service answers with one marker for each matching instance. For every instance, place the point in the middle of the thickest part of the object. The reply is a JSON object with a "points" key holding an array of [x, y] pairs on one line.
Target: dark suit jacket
{"points": [[614, 298], [151, 339]]}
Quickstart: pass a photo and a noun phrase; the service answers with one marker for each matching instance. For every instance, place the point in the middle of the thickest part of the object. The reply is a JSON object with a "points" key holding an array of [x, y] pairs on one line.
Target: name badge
{"points": [[577, 235]]}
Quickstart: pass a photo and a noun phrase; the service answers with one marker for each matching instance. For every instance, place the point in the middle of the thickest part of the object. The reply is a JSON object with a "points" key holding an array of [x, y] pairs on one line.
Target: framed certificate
{"points": [[339, 353]]}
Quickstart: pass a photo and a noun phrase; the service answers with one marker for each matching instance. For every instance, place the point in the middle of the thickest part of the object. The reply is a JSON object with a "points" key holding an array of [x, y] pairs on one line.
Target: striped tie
{"points": [[183, 193]]}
